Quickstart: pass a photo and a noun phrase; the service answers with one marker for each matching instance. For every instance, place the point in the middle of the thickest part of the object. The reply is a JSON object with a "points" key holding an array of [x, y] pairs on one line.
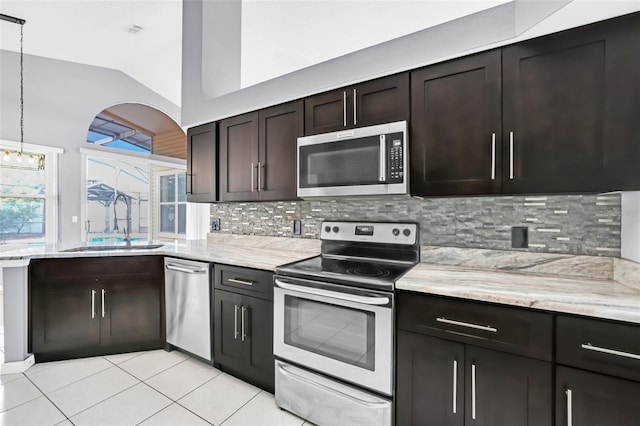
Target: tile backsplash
{"points": [[574, 224]]}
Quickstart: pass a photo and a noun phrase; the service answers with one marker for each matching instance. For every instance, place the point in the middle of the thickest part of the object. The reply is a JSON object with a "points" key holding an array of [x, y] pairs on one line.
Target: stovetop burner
{"points": [[361, 254]]}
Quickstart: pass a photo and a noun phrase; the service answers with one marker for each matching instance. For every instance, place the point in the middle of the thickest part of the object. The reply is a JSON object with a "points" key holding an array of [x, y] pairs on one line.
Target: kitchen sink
{"points": [[107, 248]]}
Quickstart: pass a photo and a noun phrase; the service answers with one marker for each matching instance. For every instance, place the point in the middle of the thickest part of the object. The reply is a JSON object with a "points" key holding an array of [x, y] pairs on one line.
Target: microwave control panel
{"points": [[395, 155]]}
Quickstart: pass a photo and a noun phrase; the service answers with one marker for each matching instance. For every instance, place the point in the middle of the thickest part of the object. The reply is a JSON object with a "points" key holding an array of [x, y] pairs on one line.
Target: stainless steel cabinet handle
{"points": [[569, 408], [590, 347], [473, 391], [383, 159], [493, 156], [355, 109], [93, 304], [252, 177], [235, 322], [455, 386], [237, 281], [244, 334], [344, 108], [103, 307], [259, 176], [467, 324], [510, 155]]}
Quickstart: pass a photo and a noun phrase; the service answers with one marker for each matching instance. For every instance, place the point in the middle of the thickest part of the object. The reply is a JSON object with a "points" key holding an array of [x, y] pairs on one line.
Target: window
{"points": [[172, 205], [28, 201]]}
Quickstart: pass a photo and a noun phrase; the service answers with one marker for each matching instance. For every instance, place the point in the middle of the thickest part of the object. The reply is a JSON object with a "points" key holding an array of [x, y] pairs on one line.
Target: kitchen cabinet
{"points": [[570, 108], [243, 324], [258, 154], [202, 164], [95, 306], [597, 373], [456, 127], [445, 377], [379, 101]]}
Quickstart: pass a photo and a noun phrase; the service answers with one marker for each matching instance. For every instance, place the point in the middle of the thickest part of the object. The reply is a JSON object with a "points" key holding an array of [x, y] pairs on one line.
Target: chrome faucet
{"points": [[127, 228]]}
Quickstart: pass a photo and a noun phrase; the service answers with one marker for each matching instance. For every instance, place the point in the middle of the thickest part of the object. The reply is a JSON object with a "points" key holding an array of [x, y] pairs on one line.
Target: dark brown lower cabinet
{"points": [[445, 383], [95, 306], [591, 399], [243, 337]]}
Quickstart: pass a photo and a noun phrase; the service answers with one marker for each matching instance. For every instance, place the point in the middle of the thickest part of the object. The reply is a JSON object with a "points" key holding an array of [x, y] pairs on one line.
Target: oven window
{"points": [[350, 162], [338, 332]]}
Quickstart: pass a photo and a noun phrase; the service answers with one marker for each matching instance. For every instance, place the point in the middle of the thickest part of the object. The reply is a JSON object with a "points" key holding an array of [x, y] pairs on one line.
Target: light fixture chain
{"points": [[21, 88]]}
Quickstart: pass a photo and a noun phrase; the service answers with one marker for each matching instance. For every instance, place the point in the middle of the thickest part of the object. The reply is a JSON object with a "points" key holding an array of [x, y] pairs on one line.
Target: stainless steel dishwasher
{"points": [[188, 306]]}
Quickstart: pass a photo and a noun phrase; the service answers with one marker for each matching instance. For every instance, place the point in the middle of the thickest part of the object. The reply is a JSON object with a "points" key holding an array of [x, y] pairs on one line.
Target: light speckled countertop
{"points": [[259, 253], [591, 297]]}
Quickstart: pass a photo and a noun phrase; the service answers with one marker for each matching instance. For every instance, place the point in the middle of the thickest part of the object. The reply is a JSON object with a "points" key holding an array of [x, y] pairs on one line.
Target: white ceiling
{"points": [[95, 32]]}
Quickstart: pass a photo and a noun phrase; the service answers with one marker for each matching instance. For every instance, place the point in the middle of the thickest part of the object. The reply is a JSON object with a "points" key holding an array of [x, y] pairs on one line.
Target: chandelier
{"points": [[18, 158]]}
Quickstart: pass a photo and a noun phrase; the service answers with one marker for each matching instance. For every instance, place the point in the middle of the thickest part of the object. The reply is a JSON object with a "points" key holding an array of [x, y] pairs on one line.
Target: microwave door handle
{"points": [[383, 159]]}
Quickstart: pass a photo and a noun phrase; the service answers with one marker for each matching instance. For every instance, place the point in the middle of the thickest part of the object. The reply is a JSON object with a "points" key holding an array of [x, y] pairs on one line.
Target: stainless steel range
{"points": [[334, 322]]}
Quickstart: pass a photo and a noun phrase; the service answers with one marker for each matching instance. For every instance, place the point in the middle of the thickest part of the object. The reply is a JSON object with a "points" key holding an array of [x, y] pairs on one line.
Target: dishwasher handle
{"points": [[180, 268]]}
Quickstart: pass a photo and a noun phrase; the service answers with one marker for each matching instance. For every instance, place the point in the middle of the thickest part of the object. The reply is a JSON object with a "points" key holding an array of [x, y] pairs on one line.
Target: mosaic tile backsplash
{"points": [[574, 224]]}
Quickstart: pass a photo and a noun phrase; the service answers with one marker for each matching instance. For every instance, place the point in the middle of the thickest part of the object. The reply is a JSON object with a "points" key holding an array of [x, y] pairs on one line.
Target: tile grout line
{"points": [[172, 402], [49, 399], [242, 406]]}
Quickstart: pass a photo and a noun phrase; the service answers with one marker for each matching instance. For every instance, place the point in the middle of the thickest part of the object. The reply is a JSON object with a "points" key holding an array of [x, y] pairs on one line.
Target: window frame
{"points": [[176, 203], [51, 193]]}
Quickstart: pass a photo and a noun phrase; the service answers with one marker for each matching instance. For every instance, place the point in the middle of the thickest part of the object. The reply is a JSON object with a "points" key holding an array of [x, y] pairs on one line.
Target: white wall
{"points": [[61, 100], [504, 24]]}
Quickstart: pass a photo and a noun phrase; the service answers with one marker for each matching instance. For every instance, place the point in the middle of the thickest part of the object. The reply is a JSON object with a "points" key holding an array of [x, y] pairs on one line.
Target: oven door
{"points": [[341, 331], [365, 161]]}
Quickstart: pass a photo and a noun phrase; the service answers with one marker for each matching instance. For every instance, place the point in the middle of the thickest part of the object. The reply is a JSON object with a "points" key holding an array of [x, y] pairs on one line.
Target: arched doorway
{"points": [[130, 194]]}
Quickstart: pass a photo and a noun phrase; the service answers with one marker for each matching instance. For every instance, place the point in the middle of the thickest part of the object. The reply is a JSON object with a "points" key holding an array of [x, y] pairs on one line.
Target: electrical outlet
{"points": [[297, 227], [215, 224], [519, 236]]}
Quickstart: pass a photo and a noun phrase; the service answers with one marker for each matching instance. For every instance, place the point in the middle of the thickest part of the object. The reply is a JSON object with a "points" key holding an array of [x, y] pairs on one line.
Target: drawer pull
{"points": [[468, 324], [590, 347], [237, 281], [473, 391]]}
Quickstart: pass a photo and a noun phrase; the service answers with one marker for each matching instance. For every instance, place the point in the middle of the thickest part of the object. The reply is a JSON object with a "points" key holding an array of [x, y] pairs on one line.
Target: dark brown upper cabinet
{"points": [[258, 154], [456, 127], [377, 101], [571, 108], [201, 164]]}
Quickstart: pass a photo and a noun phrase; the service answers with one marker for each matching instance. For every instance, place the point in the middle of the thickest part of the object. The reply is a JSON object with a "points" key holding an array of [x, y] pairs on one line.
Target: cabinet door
{"points": [[258, 361], [326, 112], [568, 115], [456, 127], [132, 310], [430, 377], [595, 399], [279, 129], [201, 164], [380, 101], [239, 158], [227, 329], [65, 314], [504, 389]]}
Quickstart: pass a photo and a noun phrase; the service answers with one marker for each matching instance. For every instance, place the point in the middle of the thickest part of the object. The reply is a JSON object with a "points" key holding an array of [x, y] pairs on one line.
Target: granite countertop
{"points": [[601, 298], [252, 252]]}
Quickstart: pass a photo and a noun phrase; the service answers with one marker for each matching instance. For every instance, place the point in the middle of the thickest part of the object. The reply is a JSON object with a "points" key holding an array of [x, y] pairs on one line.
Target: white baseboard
{"points": [[17, 366]]}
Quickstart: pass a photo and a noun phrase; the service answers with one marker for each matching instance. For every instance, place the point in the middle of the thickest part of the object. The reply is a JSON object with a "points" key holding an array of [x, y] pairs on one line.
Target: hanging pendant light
{"points": [[13, 158]]}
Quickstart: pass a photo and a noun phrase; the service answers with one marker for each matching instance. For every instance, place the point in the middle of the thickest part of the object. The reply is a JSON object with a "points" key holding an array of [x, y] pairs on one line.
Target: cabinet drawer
{"points": [[506, 329], [607, 347], [252, 282]]}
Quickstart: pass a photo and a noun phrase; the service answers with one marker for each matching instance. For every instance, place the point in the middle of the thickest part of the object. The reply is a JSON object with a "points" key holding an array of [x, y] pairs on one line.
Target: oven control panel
{"points": [[373, 232]]}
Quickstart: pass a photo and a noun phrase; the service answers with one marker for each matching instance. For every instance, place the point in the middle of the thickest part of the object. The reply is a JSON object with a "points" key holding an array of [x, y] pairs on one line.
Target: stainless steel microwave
{"points": [[364, 161]]}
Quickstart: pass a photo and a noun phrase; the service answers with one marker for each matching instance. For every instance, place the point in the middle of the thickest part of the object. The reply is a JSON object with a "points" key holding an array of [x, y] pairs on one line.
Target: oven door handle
{"points": [[334, 294]]}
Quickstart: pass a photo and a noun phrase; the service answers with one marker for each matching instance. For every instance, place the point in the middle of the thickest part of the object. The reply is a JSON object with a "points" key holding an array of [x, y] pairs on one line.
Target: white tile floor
{"points": [[147, 388]]}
